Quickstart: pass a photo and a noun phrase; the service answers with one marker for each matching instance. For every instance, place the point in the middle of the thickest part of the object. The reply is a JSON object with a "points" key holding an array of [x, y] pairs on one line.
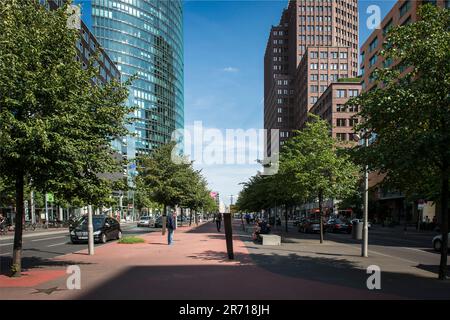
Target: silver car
{"points": [[146, 221], [437, 242]]}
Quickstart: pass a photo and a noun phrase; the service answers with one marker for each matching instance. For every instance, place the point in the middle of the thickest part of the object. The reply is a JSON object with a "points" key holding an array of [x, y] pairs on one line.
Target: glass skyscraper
{"points": [[144, 38]]}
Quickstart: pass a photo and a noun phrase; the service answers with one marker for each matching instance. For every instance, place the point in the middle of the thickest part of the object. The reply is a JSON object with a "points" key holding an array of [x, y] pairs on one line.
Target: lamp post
{"points": [[365, 235]]}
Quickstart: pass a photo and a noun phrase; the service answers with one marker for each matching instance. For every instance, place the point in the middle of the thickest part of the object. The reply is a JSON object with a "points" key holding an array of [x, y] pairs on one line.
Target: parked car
{"points": [[297, 221], [309, 226], [146, 221], [437, 242], [158, 222], [105, 228], [338, 225]]}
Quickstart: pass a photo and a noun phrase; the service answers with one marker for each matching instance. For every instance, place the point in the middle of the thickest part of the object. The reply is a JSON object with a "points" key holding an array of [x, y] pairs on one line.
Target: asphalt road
{"points": [[55, 243], [412, 246]]}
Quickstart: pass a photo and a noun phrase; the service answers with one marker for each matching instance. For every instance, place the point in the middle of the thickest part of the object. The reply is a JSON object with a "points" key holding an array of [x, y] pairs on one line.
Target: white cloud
{"points": [[230, 69]]}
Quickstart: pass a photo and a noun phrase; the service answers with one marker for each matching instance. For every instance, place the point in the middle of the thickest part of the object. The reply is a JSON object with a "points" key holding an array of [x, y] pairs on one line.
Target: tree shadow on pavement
{"points": [[35, 262], [222, 257], [287, 277]]}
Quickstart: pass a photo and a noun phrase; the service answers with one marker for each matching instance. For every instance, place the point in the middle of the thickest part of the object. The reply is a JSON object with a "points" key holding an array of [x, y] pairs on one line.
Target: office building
{"points": [[308, 36]]}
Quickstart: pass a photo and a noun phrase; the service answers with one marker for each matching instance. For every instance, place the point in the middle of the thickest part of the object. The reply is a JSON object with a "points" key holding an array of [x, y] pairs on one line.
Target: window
{"points": [[314, 77], [341, 136], [405, 8], [314, 66], [323, 55], [323, 77], [353, 109], [373, 45], [280, 110], [341, 122], [314, 89], [314, 54], [373, 60], [388, 27], [353, 122], [343, 55], [340, 108], [280, 119], [334, 55], [341, 93], [353, 93]]}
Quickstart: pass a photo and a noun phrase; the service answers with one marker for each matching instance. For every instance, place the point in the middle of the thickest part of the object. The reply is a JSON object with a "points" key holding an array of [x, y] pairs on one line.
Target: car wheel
{"points": [[74, 242], [103, 239], [119, 235], [437, 245]]}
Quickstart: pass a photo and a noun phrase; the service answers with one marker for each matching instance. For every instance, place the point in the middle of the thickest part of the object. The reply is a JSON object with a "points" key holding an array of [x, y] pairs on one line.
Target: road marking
{"points": [[5, 244], [4, 254], [57, 244], [36, 240]]}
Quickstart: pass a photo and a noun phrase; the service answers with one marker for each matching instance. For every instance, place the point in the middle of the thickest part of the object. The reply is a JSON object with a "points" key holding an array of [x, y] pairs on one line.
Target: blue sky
{"points": [[224, 50]]}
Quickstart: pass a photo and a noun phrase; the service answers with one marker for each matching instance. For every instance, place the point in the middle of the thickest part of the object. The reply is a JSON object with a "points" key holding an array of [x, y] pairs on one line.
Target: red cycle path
{"points": [[194, 267]]}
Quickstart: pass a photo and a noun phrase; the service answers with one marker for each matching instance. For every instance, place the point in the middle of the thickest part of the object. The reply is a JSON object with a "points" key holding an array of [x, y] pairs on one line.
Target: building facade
{"points": [[391, 205], [320, 67], [145, 39], [306, 27], [331, 107], [402, 13]]}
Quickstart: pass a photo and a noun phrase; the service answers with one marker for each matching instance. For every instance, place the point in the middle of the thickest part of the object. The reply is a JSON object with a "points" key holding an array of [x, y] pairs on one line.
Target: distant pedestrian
{"points": [[247, 218], [218, 219], [171, 226]]}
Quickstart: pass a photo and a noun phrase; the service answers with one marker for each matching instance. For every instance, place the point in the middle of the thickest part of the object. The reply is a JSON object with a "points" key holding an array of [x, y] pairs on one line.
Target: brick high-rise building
{"points": [[326, 25], [403, 12], [391, 204]]}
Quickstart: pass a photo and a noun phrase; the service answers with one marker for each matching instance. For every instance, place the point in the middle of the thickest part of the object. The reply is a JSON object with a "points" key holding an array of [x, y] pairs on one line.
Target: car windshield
{"points": [[97, 222], [144, 218]]}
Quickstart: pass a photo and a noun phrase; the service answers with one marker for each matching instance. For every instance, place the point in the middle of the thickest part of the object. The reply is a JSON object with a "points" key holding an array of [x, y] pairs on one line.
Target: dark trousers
{"points": [[218, 224]]}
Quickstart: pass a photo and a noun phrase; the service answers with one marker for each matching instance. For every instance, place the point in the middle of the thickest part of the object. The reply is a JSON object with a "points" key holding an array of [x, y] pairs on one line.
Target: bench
{"points": [[270, 240]]}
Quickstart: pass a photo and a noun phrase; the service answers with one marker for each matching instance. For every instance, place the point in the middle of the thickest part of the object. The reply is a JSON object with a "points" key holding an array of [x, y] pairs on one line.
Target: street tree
{"points": [[409, 113], [320, 169], [55, 124]]}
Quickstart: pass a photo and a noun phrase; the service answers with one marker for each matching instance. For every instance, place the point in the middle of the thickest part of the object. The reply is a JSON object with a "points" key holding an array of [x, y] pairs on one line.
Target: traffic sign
{"points": [[50, 197]]}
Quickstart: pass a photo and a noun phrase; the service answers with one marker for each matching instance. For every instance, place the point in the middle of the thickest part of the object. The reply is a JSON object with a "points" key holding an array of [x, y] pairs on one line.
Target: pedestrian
{"points": [[218, 219], [171, 226], [247, 218]]}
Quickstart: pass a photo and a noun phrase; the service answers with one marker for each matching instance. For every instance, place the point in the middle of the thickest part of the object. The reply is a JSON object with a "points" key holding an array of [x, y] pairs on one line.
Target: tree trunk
{"points": [[444, 222], [181, 221], [320, 215], [16, 267], [286, 218], [164, 220], [190, 217]]}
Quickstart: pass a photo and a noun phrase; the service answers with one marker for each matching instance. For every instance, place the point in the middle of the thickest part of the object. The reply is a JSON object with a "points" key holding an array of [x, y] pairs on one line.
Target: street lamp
{"points": [[365, 235]]}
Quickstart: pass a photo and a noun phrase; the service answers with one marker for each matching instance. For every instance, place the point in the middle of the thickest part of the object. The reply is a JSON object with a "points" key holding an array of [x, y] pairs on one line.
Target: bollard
{"points": [[228, 235]]}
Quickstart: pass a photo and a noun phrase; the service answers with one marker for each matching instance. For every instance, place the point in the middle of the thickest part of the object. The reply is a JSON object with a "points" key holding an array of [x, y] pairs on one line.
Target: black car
{"points": [[338, 225], [105, 228]]}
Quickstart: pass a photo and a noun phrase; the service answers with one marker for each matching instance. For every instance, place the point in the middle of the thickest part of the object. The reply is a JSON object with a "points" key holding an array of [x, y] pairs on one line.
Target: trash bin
{"points": [[357, 230]]}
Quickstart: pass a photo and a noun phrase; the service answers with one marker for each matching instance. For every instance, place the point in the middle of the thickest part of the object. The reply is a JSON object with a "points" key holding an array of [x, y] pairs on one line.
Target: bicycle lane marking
{"points": [[44, 239], [5, 244]]}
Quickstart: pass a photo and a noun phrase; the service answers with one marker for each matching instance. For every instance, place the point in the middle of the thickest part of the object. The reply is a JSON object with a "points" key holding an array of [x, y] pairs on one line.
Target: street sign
{"points": [[50, 197]]}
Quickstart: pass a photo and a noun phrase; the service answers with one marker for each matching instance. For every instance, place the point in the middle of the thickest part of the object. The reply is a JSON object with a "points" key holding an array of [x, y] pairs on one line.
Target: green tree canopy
{"points": [[409, 114], [55, 124]]}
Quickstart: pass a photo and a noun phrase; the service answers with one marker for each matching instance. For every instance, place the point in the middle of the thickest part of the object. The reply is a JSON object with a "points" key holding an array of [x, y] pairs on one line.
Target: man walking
{"points": [[171, 226], [218, 219]]}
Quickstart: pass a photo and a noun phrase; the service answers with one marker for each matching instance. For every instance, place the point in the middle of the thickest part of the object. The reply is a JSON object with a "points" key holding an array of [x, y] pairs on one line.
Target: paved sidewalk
{"points": [[197, 267]]}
